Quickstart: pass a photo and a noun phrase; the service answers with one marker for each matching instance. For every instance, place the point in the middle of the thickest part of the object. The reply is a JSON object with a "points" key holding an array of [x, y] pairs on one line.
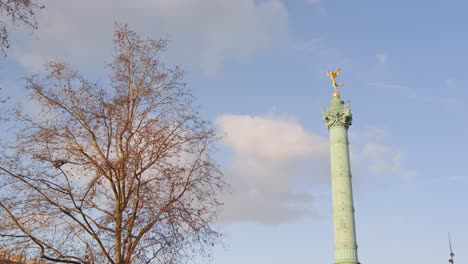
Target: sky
{"points": [[258, 69]]}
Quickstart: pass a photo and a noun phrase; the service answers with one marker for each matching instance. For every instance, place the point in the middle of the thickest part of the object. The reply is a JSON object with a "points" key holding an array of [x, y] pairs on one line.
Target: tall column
{"points": [[338, 118]]}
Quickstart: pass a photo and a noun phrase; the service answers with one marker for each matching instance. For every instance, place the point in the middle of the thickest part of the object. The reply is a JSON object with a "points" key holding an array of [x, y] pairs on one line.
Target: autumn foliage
{"points": [[120, 172]]}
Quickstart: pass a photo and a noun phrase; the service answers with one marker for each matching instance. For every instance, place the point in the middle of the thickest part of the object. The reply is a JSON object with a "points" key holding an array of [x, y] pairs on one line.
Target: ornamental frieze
{"points": [[341, 118]]}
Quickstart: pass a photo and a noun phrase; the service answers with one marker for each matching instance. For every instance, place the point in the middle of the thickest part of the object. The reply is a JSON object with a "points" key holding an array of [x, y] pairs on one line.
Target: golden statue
{"points": [[332, 75]]}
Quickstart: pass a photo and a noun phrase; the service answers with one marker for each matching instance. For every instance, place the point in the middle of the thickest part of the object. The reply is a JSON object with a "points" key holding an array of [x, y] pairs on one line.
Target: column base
{"points": [[347, 262]]}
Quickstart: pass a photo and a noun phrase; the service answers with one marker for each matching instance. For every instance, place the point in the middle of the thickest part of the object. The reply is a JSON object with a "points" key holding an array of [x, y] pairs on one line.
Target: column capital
{"points": [[339, 114]]}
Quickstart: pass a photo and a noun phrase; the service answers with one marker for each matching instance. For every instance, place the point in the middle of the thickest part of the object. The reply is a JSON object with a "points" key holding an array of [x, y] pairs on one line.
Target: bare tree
{"points": [[117, 175], [18, 12]]}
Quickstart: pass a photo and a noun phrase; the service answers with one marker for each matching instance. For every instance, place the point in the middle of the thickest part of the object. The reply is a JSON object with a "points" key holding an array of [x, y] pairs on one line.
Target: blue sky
{"points": [[258, 69]]}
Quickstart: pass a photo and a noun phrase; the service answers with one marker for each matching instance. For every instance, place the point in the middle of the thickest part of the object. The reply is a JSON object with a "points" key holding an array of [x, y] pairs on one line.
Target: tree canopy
{"points": [[16, 12], [117, 174]]}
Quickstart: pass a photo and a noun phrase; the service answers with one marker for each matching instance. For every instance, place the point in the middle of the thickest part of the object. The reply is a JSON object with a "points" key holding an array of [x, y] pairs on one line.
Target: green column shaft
{"points": [[343, 209], [338, 119]]}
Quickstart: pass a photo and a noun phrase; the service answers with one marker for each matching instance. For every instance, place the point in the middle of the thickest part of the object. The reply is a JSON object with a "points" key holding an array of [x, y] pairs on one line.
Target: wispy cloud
{"points": [[445, 100], [312, 2], [317, 4], [449, 83], [382, 58], [375, 156], [325, 57], [385, 85], [265, 174], [204, 34], [383, 159], [277, 166]]}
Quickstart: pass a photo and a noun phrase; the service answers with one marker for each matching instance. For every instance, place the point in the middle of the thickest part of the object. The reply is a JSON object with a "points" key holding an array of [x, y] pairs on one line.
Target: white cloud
{"points": [[204, 33], [375, 156], [274, 158], [270, 138], [382, 58], [278, 168]]}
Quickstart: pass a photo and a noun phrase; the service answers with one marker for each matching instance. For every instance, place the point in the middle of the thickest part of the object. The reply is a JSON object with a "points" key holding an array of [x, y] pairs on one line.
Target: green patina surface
{"points": [[338, 119]]}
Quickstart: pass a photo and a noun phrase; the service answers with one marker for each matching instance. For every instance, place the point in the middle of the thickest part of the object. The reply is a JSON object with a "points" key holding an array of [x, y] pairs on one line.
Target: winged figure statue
{"points": [[332, 75]]}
